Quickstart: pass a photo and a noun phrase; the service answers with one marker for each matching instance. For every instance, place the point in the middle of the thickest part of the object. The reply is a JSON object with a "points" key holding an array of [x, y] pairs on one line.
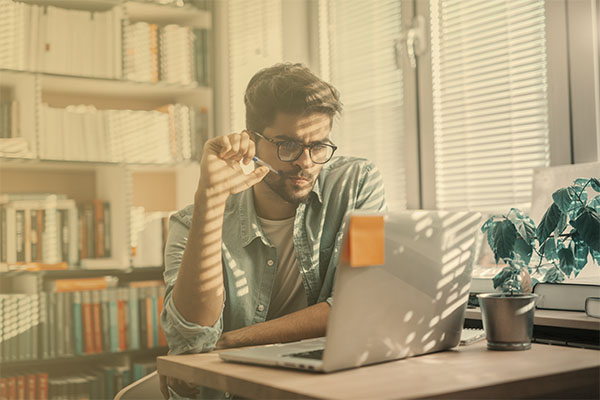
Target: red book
{"points": [[30, 386], [12, 388], [21, 387], [3, 388], [42, 386], [88, 325], [121, 318], [96, 321]]}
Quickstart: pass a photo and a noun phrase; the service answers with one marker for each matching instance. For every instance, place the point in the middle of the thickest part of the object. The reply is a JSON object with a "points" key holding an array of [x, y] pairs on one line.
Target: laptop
{"points": [[401, 290]]}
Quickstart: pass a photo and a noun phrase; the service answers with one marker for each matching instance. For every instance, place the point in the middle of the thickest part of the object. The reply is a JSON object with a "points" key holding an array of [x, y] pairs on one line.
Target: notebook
{"points": [[401, 290]]}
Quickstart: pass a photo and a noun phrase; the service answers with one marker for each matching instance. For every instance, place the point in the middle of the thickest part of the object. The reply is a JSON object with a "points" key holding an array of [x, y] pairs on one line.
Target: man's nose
{"points": [[304, 161]]}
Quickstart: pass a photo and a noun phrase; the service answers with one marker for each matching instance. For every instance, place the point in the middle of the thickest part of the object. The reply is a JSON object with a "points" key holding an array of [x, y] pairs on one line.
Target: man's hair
{"points": [[288, 88]]}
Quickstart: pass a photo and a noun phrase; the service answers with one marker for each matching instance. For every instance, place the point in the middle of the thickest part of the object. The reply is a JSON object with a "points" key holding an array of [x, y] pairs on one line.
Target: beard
{"points": [[289, 192]]}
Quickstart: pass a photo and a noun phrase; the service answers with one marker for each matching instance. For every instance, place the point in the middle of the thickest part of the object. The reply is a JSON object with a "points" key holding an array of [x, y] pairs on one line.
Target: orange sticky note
{"points": [[366, 244]]}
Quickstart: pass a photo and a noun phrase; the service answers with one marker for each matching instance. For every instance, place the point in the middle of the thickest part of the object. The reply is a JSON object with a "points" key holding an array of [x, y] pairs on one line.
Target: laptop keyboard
{"points": [[313, 355]]}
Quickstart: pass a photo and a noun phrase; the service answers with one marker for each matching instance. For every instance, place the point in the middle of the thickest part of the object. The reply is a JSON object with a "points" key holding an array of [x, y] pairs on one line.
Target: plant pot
{"points": [[508, 320]]}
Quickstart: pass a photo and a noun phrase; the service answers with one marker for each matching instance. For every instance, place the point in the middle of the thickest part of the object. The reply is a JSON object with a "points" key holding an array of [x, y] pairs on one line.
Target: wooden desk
{"points": [[464, 372]]}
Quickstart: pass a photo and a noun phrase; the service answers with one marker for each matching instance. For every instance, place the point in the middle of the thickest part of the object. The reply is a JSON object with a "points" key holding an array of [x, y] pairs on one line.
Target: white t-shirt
{"points": [[288, 293]]}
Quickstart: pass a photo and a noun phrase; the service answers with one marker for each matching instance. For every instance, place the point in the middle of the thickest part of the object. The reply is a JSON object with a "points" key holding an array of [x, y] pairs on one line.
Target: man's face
{"points": [[296, 178]]}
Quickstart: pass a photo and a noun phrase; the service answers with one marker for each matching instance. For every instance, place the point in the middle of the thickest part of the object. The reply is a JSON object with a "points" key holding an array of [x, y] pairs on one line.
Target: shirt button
{"points": [[261, 308], [270, 263], [227, 395]]}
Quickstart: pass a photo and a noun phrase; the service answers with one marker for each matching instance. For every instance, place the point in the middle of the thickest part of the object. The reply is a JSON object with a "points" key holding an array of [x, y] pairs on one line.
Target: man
{"points": [[252, 261]]}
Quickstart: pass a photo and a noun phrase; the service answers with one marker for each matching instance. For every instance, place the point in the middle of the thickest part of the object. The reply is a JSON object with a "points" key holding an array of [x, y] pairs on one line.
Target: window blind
{"points": [[489, 101], [255, 42], [357, 57]]}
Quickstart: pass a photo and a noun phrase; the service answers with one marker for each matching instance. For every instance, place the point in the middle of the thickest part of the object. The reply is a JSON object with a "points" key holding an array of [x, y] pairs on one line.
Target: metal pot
{"points": [[508, 320]]}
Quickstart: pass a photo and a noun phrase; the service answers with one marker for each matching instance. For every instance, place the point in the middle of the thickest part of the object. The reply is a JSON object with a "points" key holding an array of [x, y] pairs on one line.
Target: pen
{"points": [[261, 162]]}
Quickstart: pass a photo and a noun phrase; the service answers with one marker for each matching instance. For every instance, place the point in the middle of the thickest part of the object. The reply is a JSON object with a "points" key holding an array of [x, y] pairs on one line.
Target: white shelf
{"points": [[168, 14], [41, 164]]}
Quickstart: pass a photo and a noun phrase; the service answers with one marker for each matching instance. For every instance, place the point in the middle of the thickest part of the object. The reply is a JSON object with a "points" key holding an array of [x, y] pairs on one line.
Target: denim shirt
{"points": [[250, 260]]}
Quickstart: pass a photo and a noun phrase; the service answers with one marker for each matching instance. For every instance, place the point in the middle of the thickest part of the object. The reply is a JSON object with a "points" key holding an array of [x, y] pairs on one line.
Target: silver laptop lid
{"points": [[412, 304]]}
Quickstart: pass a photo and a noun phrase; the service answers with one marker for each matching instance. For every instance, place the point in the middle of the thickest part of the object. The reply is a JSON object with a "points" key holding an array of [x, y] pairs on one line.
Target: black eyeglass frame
{"points": [[278, 143]]}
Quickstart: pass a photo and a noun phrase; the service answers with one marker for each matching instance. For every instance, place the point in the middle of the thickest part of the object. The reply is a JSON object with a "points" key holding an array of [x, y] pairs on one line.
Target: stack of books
{"points": [[149, 232], [164, 135], [40, 38], [52, 230]]}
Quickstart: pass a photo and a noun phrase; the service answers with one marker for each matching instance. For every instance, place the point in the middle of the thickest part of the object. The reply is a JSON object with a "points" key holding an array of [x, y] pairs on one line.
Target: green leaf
{"points": [[563, 198], [505, 235], [595, 184], [548, 223], [567, 261], [595, 203], [581, 181], [522, 252], [588, 227], [580, 253], [553, 275], [487, 225], [595, 255], [562, 224], [548, 249], [523, 224], [570, 200], [508, 279]]}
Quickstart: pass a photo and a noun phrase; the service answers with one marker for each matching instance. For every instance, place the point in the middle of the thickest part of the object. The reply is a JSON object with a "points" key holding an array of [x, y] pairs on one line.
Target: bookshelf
{"points": [[156, 118]]}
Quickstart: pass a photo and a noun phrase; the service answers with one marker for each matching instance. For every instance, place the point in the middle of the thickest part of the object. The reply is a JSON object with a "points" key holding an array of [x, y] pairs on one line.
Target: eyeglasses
{"points": [[288, 150]]}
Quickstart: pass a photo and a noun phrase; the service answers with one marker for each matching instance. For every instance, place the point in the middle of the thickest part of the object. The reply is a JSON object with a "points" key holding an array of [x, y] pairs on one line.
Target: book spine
{"points": [[99, 228], [143, 319], [114, 319], [150, 312], [60, 323], [121, 319], [107, 230], [68, 318], [27, 243], [34, 236], [97, 321], [42, 386], [105, 320], [134, 320], [88, 325], [52, 325], [3, 234], [77, 323], [44, 333], [20, 235], [154, 311], [90, 231], [162, 339], [30, 386], [20, 387]]}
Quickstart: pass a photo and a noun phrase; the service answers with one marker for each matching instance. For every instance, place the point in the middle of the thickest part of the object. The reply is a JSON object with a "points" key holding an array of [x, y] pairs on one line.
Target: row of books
{"points": [[174, 132], [172, 53], [102, 382], [70, 320], [52, 229], [40, 38], [9, 119]]}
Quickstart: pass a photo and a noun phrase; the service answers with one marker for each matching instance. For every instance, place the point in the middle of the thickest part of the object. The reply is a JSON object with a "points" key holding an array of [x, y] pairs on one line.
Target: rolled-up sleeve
{"points": [[183, 336]]}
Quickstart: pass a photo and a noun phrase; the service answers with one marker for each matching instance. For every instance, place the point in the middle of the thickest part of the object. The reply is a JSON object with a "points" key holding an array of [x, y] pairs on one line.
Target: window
{"points": [[481, 96], [357, 57], [489, 101]]}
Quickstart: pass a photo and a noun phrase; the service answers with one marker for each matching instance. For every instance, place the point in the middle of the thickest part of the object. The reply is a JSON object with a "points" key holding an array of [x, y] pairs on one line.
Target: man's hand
{"points": [[182, 388], [220, 171]]}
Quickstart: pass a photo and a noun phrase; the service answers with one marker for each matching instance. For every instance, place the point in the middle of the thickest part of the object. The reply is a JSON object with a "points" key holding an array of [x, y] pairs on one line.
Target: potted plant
{"points": [[555, 249]]}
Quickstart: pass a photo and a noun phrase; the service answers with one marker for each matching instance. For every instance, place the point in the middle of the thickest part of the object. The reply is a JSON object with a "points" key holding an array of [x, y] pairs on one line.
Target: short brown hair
{"points": [[288, 88]]}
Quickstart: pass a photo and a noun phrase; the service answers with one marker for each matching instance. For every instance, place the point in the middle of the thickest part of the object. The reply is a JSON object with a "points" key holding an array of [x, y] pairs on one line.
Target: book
{"points": [[77, 323], [88, 324], [565, 296], [97, 321]]}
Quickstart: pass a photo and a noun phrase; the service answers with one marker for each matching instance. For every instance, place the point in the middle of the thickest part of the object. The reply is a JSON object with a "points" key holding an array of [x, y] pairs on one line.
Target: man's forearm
{"points": [[304, 324], [198, 291]]}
